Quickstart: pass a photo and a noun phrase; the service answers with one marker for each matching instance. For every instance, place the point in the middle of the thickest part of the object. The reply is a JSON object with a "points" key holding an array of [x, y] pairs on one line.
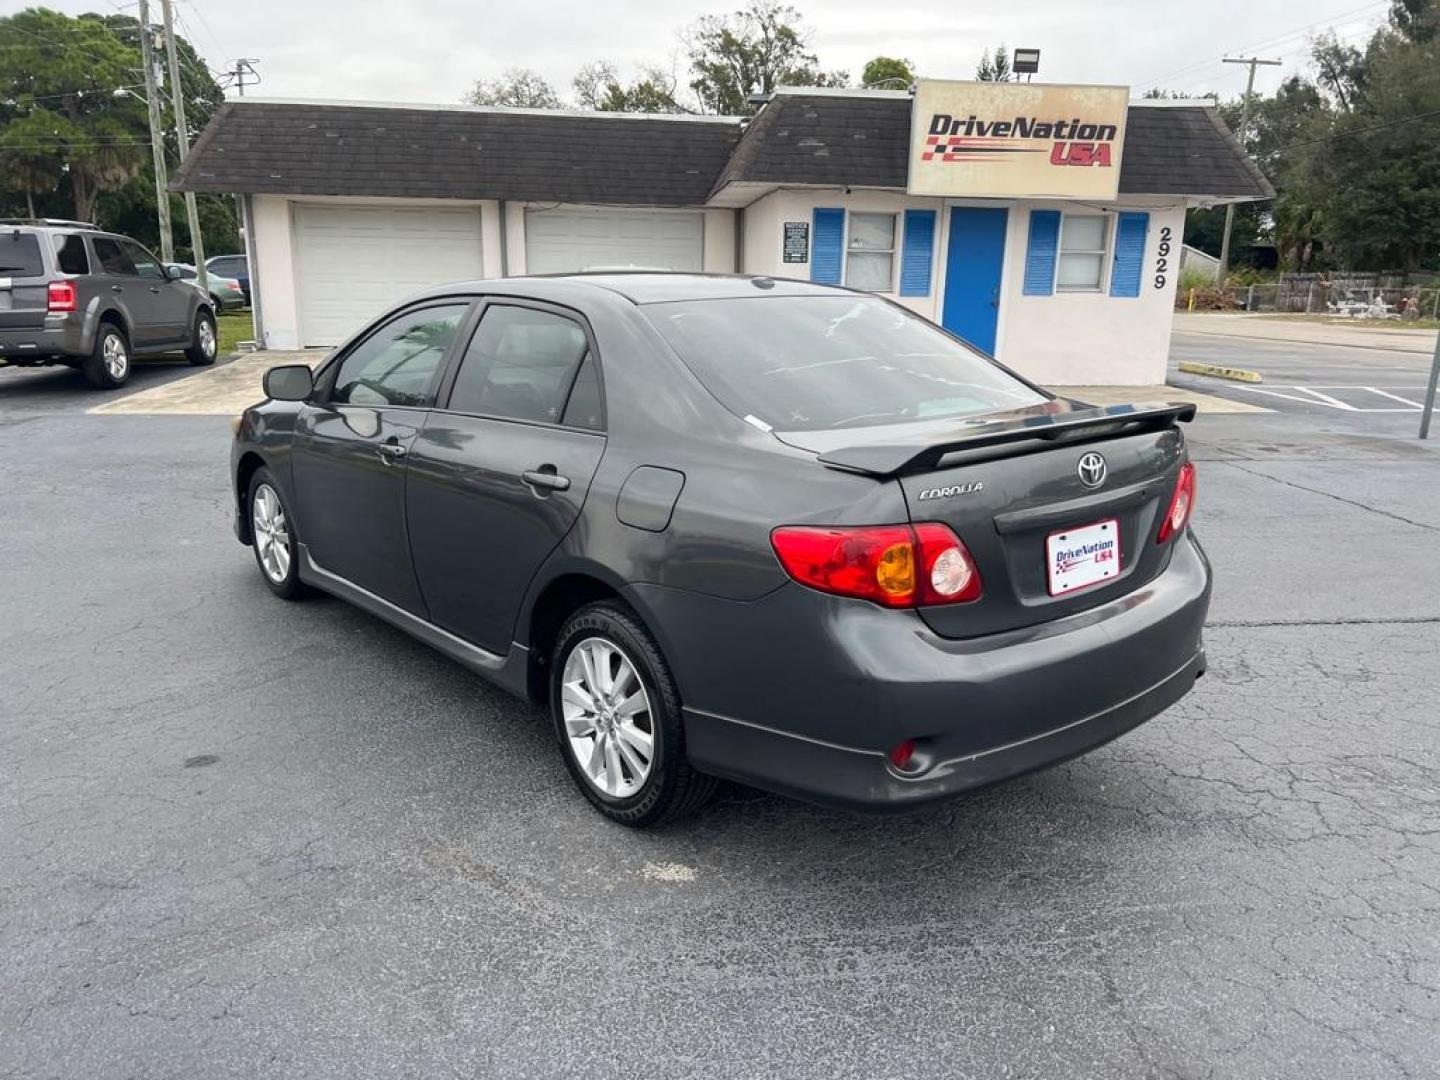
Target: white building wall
{"points": [[765, 233], [1089, 338], [273, 270]]}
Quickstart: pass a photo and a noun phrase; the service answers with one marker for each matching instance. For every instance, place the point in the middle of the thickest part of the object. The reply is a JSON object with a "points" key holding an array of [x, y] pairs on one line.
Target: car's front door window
{"points": [[112, 258], [146, 265], [396, 365]]}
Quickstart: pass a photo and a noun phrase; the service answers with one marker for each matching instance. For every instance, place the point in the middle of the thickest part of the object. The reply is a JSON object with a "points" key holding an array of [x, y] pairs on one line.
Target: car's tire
{"points": [[108, 365], [608, 761], [204, 343], [272, 535]]}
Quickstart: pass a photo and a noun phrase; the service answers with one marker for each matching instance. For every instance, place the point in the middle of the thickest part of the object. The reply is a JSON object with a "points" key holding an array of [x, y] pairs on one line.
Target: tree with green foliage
{"points": [[518, 88], [994, 67], [66, 113], [752, 51], [888, 72], [74, 135]]}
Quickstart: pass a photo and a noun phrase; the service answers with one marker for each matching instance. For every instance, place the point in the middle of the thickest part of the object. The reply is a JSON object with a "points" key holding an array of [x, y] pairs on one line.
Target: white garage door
{"points": [[563, 241], [355, 261]]}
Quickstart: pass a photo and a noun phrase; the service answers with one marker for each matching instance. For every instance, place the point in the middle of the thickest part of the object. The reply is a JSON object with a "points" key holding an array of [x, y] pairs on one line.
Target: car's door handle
{"points": [[545, 479], [155, 289], [391, 451], [117, 288]]}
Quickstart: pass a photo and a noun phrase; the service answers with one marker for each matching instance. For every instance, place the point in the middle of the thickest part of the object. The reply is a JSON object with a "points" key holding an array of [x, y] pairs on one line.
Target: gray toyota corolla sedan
{"points": [[739, 527]]}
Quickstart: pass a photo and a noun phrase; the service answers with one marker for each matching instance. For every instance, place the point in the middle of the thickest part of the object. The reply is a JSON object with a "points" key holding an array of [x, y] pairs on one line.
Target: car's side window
{"points": [[146, 265], [584, 409], [112, 257], [396, 364], [70, 254], [521, 365]]}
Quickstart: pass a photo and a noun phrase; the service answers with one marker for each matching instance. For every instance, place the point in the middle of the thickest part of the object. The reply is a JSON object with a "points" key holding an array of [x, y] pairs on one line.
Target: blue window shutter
{"points": [[1042, 252], [918, 254], [827, 246], [1129, 254]]}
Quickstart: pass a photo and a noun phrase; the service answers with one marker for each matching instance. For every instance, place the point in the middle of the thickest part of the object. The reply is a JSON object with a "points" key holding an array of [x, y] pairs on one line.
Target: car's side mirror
{"points": [[289, 382], [173, 273]]}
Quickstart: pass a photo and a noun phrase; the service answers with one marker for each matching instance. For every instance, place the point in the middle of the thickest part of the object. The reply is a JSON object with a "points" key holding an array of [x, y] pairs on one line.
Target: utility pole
{"points": [[1240, 136], [1430, 391], [242, 74], [157, 135], [182, 137]]}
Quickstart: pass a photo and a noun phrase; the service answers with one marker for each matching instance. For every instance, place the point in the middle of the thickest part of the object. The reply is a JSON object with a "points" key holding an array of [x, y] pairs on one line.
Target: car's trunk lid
{"points": [[1006, 483]]}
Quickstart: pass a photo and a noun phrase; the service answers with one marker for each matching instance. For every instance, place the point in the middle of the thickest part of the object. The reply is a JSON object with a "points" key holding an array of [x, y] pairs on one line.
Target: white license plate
{"points": [[1077, 558]]}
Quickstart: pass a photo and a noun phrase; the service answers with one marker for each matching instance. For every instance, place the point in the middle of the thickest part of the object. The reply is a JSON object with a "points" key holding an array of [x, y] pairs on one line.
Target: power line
{"points": [[205, 25], [1269, 43]]}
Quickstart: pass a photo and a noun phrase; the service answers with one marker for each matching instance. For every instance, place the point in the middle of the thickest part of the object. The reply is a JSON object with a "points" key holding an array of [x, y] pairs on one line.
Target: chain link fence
{"points": [[1402, 303]]}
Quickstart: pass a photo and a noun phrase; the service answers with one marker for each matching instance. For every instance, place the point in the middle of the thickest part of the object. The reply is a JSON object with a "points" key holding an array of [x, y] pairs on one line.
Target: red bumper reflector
{"points": [[900, 756]]}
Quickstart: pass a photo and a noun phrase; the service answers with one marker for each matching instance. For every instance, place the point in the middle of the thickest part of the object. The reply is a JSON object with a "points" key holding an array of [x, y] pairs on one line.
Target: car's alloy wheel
{"points": [[271, 532], [607, 716], [108, 365], [617, 715], [116, 357], [202, 349]]}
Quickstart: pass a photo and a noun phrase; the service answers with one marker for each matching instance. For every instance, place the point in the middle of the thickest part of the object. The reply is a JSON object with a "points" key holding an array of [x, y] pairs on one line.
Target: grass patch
{"points": [[233, 327]]}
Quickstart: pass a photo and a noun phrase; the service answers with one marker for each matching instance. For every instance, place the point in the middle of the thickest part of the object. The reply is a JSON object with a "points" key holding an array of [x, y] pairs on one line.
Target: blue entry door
{"points": [[973, 264]]}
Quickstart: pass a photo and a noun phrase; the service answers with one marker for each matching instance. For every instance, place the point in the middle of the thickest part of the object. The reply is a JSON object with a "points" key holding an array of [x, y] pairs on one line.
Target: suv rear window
{"points": [[806, 363], [70, 254], [20, 255]]}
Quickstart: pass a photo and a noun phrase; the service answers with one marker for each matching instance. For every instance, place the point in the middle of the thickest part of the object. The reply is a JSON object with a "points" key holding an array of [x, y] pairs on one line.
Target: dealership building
{"points": [[1042, 223]]}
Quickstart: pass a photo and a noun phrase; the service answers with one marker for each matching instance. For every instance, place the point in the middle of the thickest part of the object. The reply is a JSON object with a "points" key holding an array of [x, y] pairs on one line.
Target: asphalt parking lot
{"points": [[245, 838]]}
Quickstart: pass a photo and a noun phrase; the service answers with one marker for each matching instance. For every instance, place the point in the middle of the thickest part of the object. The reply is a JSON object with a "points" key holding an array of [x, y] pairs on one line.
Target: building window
{"points": [[1082, 252], [870, 253]]}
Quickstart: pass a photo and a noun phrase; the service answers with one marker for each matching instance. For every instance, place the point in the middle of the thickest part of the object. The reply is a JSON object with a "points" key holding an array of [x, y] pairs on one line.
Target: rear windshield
{"points": [[806, 363], [20, 255]]}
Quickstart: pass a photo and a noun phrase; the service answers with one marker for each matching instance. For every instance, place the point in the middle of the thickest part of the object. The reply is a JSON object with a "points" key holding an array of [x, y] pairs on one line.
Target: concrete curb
{"points": [[1217, 372]]}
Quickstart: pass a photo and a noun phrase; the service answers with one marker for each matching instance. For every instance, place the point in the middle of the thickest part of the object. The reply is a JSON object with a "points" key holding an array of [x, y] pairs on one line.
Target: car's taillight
{"points": [[60, 296], [1182, 504], [893, 565]]}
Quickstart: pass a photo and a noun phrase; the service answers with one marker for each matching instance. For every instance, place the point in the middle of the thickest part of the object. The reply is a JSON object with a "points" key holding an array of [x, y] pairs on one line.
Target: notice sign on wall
{"points": [[797, 241], [1016, 140]]}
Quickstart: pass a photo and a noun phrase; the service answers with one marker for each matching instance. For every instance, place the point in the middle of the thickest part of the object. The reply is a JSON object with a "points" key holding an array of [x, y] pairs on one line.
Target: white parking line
{"points": [[1317, 395]]}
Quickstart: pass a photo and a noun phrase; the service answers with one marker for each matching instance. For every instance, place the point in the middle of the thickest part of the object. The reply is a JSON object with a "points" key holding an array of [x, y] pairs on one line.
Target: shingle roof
{"points": [[297, 148], [863, 141], [823, 139]]}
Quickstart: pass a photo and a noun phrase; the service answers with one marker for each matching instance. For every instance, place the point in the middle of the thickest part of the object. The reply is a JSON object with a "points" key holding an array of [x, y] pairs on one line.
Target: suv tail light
{"points": [[60, 296], [893, 565], [1182, 504]]}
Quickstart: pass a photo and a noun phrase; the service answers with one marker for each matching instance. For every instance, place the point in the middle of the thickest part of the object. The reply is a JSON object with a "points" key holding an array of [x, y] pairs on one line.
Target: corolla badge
{"points": [[955, 489], [1092, 470]]}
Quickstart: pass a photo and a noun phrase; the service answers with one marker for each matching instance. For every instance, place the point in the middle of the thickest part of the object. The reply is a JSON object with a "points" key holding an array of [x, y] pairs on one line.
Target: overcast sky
{"points": [[433, 50]]}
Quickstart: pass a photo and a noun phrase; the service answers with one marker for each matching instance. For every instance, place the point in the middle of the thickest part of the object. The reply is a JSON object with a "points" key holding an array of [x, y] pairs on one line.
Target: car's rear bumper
{"points": [[60, 336], [805, 695]]}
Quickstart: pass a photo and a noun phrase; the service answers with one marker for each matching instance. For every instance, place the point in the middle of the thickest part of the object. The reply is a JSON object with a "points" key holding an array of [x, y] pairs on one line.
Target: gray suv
{"points": [[73, 295]]}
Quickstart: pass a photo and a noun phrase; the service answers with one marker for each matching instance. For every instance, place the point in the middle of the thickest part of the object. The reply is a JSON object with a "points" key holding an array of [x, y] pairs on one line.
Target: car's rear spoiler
{"points": [[892, 459]]}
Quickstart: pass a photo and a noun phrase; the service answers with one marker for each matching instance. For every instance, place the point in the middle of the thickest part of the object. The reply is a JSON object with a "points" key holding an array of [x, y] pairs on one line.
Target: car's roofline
{"points": [[642, 287]]}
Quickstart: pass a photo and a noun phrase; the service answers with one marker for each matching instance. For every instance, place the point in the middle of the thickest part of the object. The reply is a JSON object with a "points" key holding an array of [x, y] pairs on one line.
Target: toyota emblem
{"points": [[1092, 470]]}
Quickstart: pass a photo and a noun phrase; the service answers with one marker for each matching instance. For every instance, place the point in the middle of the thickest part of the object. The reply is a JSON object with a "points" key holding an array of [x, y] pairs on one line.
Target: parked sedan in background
{"points": [[778, 532], [231, 266], [225, 293]]}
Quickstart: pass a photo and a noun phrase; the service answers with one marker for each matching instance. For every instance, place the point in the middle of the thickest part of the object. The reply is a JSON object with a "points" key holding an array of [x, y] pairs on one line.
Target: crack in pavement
{"points": [[1332, 495]]}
